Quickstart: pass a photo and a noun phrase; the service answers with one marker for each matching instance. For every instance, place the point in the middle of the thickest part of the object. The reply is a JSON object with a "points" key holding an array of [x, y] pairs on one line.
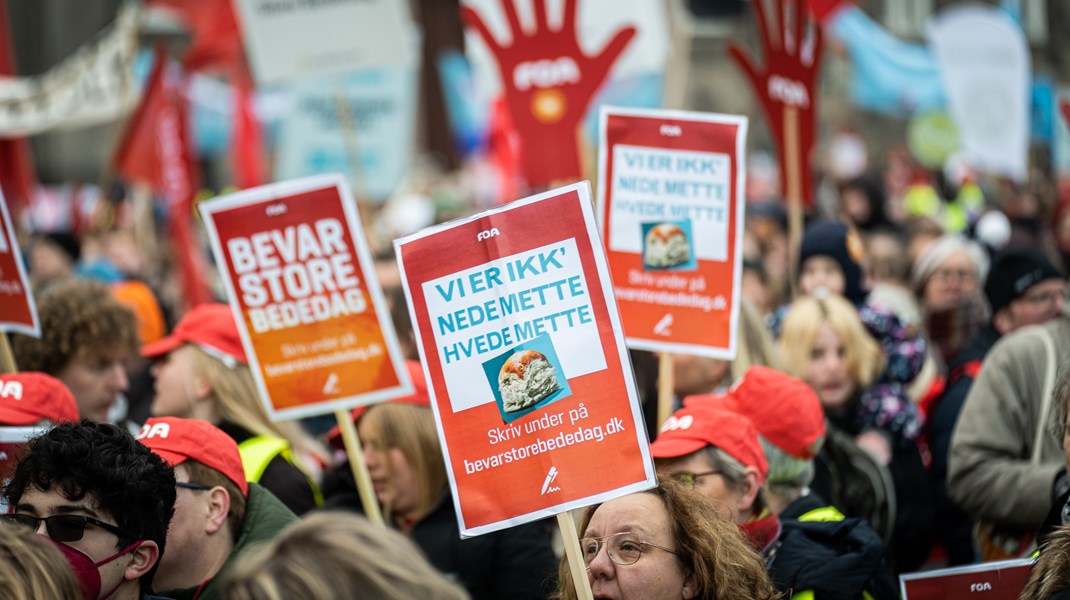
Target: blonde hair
{"points": [[710, 548], [31, 568], [336, 556], [863, 354], [411, 429], [754, 345], [237, 401]]}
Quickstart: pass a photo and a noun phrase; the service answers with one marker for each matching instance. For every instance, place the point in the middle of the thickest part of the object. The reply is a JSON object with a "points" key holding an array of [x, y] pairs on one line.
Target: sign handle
{"points": [[7, 357], [665, 387], [360, 470], [576, 566], [793, 188]]}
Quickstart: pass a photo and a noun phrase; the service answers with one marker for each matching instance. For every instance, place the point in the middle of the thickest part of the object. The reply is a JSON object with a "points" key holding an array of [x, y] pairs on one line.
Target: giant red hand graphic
{"points": [[786, 88], [548, 83]]}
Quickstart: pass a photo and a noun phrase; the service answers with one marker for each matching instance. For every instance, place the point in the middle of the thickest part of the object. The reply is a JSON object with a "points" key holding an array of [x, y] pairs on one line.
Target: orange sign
{"points": [[530, 378], [302, 287], [670, 206], [17, 309]]}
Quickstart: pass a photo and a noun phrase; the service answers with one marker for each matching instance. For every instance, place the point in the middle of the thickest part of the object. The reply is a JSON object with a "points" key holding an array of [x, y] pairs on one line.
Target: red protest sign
{"points": [[530, 378], [548, 82], [786, 88], [999, 580], [670, 205], [310, 312], [17, 309]]}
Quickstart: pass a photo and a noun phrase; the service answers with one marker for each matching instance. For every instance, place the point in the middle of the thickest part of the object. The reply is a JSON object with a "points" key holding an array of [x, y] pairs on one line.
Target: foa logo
{"points": [[487, 234], [673, 423], [154, 430], [670, 130]]}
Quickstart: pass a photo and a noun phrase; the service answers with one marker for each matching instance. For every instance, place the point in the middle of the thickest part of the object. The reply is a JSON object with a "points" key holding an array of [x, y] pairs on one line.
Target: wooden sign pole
{"points": [[360, 470]]}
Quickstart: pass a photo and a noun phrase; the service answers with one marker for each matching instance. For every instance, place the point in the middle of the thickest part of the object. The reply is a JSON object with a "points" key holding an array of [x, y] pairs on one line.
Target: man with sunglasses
{"points": [[103, 498], [218, 513]]}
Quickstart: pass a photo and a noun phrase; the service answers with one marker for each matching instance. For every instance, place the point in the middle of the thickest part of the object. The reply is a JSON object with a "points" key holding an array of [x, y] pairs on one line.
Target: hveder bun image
{"points": [[666, 246], [525, 379]]}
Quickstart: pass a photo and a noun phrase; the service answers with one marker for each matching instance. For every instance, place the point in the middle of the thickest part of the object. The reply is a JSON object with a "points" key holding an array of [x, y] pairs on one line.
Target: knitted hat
{"points": [[1013, 272], [836, 241]]}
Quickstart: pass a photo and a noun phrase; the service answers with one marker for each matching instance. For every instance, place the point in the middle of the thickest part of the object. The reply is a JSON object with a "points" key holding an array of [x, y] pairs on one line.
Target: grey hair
{"points": [[733, 471], [788, 475], [939, 250]]}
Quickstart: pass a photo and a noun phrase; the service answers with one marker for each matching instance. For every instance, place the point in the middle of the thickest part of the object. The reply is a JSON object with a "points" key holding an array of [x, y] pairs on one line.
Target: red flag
{"points": [[16, 162], [155, 150], [247, 140], [217, 44]]}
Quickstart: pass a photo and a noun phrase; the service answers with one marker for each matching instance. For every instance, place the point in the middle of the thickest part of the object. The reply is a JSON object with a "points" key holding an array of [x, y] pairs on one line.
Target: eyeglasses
{"points": [[1050, 297], [624, 548], [192, 486], [63, 528], [691, 479]]}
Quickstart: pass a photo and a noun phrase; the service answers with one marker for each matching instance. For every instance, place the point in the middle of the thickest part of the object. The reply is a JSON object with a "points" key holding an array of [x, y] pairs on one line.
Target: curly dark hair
{"points": [[105, 463], [77, 316]]}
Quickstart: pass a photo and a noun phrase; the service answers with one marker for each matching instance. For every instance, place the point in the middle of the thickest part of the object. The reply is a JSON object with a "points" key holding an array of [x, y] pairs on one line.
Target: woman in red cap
{"points": [[202, 373]]}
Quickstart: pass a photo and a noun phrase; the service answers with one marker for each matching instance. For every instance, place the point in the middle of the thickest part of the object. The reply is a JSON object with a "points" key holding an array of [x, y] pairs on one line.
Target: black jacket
{"points": [[833, 559]]}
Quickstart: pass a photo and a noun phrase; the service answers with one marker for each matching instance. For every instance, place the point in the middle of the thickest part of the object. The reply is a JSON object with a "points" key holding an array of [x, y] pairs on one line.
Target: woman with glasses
{"points": [[667, 543]]}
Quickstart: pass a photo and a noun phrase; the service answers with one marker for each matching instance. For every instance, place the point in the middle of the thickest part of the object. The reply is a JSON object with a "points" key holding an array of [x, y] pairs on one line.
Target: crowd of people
{"points": [[898, 402]]}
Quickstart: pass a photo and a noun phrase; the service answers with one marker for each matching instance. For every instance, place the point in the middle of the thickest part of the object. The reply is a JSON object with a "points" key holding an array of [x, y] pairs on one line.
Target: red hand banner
{"points": [[548, 83], [786, 88], [1064, 108]]}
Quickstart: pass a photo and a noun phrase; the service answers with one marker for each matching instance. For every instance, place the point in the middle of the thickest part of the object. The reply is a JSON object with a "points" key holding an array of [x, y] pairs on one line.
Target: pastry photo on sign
{"points": [[526, 377], [667, 245]]}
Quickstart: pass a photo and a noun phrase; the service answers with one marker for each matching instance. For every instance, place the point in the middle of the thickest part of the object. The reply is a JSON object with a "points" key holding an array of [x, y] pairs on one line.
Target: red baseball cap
{"points": [[209, 326], [29, 397], [419, 397], [785, 410], [176, 440], [694, 427]]}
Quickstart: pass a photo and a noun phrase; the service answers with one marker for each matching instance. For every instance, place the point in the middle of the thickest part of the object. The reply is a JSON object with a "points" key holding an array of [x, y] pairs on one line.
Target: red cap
{"points": [[419, 397], [209, 326], [175, 440], [694, 427], [28, 397], [786, 411]]}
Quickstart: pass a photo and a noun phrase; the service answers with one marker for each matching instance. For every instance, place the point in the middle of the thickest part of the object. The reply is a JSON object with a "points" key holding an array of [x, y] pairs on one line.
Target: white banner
{"points": [[984, 62], [91, 86], [289, 39]]}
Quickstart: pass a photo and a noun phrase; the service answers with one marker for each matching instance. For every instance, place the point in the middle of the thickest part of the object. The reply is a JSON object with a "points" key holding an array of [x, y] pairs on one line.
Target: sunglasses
{"points": [[63, 528]]}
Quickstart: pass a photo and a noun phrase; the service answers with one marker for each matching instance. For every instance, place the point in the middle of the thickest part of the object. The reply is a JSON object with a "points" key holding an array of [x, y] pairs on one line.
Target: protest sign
{"points": [[670, 208], [529, 376], [289, 39], [17, 309], [1061, 134], [382, 108], [787, 89], [310, 312], [89, 87], [999, 580], [985, 66]]}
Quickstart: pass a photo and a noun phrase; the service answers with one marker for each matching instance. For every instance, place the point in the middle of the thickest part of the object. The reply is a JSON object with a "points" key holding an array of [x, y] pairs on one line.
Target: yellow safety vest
{"points": [[257, 453], [823, 514]]}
